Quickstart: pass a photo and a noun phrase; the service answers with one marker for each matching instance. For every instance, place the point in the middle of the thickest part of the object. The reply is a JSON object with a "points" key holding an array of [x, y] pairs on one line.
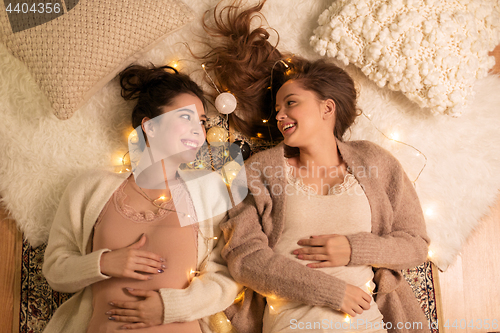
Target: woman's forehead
{"points": [[291, 87]]}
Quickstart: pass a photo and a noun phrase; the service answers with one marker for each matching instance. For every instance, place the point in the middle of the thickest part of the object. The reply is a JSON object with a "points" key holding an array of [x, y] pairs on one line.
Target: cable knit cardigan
{"points": [[69, 267], [397, 241]]}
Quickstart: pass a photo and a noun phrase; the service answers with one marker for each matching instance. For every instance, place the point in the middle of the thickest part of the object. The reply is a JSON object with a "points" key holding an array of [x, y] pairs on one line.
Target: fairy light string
{"points": [[401, 142], [225, 124]]}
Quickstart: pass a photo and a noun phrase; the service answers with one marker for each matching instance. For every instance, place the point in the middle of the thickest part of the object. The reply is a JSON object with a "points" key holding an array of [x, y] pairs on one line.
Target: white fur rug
{"points": [[39, 154]]}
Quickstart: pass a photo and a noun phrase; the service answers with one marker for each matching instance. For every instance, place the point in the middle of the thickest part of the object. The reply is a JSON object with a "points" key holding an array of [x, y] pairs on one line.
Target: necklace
{"points": [[162, 197]]}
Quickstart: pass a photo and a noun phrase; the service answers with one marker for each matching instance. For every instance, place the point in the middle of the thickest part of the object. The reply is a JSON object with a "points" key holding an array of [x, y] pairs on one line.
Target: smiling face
{"points": [[179, 132], [303, 119]]}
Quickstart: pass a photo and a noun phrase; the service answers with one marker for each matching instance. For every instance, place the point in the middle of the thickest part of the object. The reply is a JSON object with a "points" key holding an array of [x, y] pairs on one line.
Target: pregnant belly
{"points": [[114, 289], [180, 262]]}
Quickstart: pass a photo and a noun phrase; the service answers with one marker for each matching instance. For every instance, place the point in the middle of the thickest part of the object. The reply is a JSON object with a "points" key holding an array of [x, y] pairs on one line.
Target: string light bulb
{"points": [[369, 287], [240, 297], [429, 212], [175, 64], [225, 102]]}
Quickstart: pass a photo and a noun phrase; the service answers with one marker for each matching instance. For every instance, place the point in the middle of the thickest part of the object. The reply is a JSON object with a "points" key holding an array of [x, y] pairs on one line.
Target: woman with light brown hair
{"points": [[328, 224]]}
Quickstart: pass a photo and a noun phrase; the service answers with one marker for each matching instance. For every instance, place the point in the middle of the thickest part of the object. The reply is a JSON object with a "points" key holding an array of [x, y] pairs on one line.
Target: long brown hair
{"points": [[251, 68]]}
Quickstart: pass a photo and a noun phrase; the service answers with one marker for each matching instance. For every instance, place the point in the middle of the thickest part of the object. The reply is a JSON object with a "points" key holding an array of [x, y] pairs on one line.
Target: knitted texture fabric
{"points": [[432, 51], [72, 52]]}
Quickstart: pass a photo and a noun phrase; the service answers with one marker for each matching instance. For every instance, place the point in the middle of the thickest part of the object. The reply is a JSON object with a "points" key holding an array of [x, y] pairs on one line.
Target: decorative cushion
{"points": [[80, 45], [431, 50]]}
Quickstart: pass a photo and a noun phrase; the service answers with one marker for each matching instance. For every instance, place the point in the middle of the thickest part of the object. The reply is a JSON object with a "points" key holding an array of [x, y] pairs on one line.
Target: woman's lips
{"points": [[289, 128], [191, 144]]}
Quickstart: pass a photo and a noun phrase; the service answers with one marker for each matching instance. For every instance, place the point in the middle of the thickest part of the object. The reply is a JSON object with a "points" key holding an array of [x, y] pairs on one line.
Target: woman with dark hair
{"points": [[142, 251], [327, 221]]}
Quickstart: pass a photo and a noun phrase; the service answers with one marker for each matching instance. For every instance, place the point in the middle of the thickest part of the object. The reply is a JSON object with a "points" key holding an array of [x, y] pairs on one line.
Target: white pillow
{"points": [[431, 50]]}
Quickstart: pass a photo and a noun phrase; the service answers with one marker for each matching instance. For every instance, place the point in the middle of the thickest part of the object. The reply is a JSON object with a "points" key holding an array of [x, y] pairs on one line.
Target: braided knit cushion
{"points": [[81, 45], [431, 50]]}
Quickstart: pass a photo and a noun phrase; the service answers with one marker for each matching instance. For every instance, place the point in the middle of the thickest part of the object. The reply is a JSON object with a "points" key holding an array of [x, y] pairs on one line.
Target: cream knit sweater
{"points": [[68, 267]]}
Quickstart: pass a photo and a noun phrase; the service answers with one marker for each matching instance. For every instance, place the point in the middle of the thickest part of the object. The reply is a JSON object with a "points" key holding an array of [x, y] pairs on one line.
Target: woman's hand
{"points": [[126, 262], [355, 301], [144, 313], [330, 250]]}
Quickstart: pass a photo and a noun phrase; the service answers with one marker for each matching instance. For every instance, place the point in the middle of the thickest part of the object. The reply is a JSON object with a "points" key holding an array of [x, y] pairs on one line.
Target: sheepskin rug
{"points": [[40, 154]]}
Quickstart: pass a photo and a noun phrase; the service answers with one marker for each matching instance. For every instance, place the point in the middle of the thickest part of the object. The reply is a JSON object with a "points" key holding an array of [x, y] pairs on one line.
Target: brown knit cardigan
{"points": [[398, 239]]}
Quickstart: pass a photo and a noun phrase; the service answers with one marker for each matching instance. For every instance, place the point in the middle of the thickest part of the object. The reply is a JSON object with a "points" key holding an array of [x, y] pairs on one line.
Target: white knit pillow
{"points": [[431, 50]]}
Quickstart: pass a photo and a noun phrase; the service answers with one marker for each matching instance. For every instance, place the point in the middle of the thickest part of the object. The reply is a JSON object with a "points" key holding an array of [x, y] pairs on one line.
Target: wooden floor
{"points": [[10, 274], [469, 291]]}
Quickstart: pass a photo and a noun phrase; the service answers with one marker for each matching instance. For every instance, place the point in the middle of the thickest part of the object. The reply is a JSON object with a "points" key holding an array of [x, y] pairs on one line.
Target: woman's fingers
{"points": [[150, 257], [313, 257], [141, 292], [149, 263], [320, 264], [318, 241], [335, 250], [310, 250], [355, 301], [123, 312], [126, 262], [325, 236], [147, 269], [134, 326], [124, 305], [124, 319], [140, 243], [138, 276], [134, 305], [368, 300], [148, 311]]}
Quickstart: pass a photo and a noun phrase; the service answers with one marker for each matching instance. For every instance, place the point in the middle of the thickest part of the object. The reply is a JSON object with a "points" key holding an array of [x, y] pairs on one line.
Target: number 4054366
{"points": [[40, 8]]}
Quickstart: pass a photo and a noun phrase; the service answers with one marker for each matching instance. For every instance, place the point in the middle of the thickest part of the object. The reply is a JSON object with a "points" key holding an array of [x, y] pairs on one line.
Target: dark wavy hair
{"points": [[155, 87], [243, 62]]}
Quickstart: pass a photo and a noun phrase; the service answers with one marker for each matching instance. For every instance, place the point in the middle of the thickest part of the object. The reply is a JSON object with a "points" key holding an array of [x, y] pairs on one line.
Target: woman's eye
{"points": [[186, 116], [203, 122], [290, 103]]}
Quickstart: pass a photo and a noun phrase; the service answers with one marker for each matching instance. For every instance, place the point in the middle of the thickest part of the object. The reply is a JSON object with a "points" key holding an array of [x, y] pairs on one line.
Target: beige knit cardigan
{"points": [[398, 239], [69, 267]]}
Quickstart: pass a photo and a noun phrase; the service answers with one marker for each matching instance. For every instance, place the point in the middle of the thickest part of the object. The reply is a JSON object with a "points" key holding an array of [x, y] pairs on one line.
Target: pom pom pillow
{"points": [[73, 48], [430, 50]]}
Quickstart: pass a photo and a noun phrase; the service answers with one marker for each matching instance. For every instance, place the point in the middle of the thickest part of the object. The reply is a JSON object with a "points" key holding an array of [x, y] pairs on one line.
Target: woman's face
{"points": [[301, 115], [179, 132]]}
